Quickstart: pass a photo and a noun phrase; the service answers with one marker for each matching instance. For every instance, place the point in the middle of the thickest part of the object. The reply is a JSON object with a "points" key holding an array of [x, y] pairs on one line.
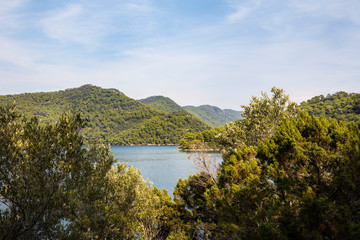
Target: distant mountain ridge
{"points": [[162, 103], [214, 116], [211, 115], [113, 117]]}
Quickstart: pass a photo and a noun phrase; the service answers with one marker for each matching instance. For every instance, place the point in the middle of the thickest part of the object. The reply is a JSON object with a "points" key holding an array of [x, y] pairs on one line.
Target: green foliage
{"points": [[113, 117], [161, 103], [52, 187], [41, 167], [214, 116], [285, 175], [315, 167], [341, 106], [211, 115], [165, 129], [191, 141], [125, 207], [261, 118], [301, 183]]}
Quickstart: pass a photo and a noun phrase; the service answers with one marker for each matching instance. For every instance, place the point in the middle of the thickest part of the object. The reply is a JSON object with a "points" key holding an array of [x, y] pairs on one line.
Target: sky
{"points": [[217, 52]]}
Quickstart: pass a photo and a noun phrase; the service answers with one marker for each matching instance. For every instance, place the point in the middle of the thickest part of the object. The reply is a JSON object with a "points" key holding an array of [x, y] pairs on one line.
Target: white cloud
{"points": [[242, 9], [74, 23], [8, 14], [229, 75], [8, 6], [64, 25], [141, 7], [221, 64], [337, 9], [91, 22], [13, 53]]}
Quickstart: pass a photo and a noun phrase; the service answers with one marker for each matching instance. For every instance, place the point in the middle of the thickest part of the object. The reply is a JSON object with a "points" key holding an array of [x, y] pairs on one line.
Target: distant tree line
{"points": [[113, 117], [341, 106]]}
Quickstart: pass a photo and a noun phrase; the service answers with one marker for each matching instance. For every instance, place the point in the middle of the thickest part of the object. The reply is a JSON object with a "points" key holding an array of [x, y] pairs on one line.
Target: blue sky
{"points": [[193, 51]]}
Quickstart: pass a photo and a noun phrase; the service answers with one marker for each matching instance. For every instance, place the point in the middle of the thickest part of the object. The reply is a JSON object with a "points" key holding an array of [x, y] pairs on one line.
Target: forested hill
{"points": [[211, 115], [214, 116], [341, 106], [113, 117], [162, 103]]}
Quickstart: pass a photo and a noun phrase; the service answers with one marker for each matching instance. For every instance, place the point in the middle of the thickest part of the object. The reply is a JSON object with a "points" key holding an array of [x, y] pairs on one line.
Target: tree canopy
{"points": [[54, 187], [292, 176], [261, 118], [341, 106], [285, 175]]}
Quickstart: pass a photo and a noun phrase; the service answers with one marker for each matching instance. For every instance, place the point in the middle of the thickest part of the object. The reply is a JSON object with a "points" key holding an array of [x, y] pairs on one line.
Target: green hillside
{"points": [[113, 117], [214, 116], [341, 106], [161, 103]]}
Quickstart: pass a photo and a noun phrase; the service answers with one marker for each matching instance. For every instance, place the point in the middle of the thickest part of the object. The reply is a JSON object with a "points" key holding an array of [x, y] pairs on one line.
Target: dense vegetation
{"points": [[113, 117], [51, 187], [262, 116], [211, 115], [301, 183], [340, 106], [161, 103], [285, 175], [206, 139], [214, 116]]}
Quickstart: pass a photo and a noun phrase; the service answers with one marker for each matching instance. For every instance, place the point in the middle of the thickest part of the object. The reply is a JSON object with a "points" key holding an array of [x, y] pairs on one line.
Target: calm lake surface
{"points": [[162, 165]]}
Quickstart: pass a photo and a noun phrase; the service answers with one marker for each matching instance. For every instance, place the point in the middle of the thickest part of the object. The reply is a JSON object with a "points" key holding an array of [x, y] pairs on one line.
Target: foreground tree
{"points": [[125, 207], [261, 118], [40, 167], [300, 182], [315, 167], [52, 187]]}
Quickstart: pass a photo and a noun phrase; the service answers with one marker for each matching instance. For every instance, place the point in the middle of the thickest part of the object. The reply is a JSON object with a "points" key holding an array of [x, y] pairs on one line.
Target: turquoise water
{"points": [[162, 165]]}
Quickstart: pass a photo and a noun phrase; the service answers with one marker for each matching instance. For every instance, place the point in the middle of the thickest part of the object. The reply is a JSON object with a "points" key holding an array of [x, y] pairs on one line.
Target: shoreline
{"points": [[139, 145], [210, 150], [200, 150]]}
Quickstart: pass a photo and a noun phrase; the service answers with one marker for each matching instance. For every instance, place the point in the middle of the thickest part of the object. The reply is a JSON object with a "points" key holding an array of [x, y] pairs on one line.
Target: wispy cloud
{"points": [[222, 60], [64, 25], [6, 6], [90, 22], [242, 9], [8, 14], [346, 9], [13, 53]]}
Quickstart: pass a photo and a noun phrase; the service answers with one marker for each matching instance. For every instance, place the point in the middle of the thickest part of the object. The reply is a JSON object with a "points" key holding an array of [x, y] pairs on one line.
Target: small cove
{"points": [[162, 165]]}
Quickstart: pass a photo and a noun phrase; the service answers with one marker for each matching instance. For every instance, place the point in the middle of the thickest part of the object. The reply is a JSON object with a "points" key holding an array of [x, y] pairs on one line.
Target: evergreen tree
{"points": [[53, 187], [301, 181]]}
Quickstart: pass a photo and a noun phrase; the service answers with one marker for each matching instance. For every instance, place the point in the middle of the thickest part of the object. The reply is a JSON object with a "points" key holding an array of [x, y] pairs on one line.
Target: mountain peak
{"points": [[162, 103], [212, 115], [113, 117]]}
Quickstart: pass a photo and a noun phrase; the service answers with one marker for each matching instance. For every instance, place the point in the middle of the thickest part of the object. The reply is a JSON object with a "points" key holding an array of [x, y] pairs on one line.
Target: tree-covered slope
{"points": [[162, 103], [341, 106], [214, 116], [113, 117]]}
